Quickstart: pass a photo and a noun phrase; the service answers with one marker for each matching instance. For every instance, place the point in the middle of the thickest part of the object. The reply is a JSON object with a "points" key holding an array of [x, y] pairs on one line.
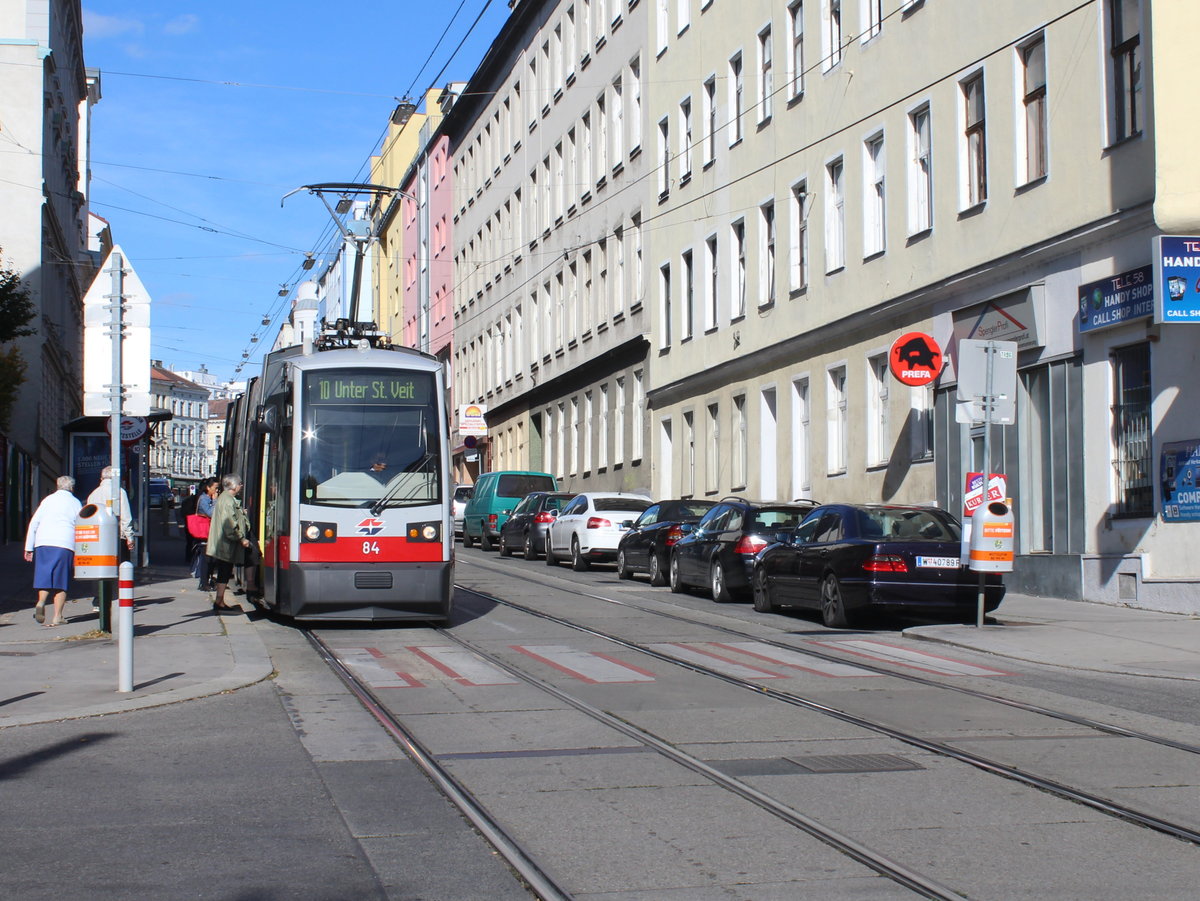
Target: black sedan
{"points": [[718, 552], [645, 548], [525, 529], [848, 559]]}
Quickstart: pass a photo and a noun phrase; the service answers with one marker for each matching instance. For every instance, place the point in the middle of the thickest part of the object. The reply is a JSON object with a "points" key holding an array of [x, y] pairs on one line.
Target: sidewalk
{"points": [[182, 650]]}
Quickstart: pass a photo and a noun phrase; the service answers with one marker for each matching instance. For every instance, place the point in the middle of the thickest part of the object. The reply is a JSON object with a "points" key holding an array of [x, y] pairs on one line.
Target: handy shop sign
{"points": [[1177, 259], [1117, 299]]}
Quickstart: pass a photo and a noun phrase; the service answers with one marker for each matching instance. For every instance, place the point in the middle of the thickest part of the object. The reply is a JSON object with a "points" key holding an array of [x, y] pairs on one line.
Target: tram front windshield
{"points": [[369, 437]]}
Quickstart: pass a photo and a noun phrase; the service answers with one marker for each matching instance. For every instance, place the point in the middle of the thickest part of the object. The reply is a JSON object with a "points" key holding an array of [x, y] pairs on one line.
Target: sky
{"points": [[212, 112]]}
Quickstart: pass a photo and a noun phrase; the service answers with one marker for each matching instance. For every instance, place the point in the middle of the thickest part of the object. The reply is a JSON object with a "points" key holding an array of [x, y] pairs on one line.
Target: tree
{"points": [[16, 312]]}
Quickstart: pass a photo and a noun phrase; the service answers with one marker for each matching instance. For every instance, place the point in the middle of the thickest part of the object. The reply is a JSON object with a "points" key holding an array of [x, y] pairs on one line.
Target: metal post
{"points": [[116, 394], [125, 629], [988, 403]]}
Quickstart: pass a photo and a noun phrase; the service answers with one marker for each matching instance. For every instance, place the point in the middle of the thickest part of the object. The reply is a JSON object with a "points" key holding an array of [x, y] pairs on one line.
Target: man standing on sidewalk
{"points": [[50, 546], [106, 493]]}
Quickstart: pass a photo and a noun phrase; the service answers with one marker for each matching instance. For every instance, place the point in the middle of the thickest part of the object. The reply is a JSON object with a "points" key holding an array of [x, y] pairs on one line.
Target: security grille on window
{"points": [[1131, 428]]}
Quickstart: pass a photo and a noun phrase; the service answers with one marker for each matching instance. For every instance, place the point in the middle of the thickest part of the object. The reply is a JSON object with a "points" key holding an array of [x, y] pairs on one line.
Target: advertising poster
{"points": [[1179, 471], [1178, 278]]}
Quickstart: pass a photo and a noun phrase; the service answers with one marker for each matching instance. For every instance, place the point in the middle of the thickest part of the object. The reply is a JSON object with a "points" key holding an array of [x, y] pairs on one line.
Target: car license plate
{"points": [[938, 562]]}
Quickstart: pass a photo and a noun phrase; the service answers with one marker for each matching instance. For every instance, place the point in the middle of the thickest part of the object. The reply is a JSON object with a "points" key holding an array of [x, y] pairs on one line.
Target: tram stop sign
{"points": [[915, 359]]}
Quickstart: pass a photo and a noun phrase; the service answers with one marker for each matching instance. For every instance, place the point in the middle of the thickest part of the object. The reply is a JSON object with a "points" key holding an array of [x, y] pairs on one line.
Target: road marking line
{"points": [[462, 666], [586, 666], [368, 664], [714, 661], [796, 659], [922, 660]]}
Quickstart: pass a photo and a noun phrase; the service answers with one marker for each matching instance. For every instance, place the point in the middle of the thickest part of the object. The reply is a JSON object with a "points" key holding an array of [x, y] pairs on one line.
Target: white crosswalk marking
{"points": [[462, 666], [585, 665], [796, 659], [714, 661], [878, 650]]}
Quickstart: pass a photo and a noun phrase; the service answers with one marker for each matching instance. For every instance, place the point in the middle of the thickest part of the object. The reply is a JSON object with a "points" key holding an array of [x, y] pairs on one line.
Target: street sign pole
{"points": [[116, 394], [989, 400]]}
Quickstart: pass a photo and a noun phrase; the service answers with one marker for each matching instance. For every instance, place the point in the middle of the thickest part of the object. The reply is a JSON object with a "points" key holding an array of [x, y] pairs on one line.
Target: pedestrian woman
{"points": [[50, 546], [228, 538], [205, 501]]}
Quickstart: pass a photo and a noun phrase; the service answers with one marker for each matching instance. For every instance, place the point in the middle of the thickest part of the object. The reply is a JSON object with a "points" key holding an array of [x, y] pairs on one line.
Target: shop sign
{"points": [[1014, 317], [1179, 469], [1116, 299], [915, 359], [1177, 261], [472, 420]]}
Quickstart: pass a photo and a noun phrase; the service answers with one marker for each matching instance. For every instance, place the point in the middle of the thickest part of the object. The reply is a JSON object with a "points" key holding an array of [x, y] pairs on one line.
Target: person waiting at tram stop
{"points": [[206, 498], [50, 547], [106, 494], [228, 538]]}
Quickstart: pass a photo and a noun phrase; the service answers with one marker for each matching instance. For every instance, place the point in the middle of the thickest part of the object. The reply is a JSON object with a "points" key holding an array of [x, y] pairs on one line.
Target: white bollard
{"points": [[125, 627]]}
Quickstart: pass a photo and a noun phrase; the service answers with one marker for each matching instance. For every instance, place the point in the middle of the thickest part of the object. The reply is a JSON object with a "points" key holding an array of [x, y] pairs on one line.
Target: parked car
{"points": [[646, 547], [159, 494], [590, 526], [847, 559], [462, 494], [495, 495], [526, 528], [718, 552]]}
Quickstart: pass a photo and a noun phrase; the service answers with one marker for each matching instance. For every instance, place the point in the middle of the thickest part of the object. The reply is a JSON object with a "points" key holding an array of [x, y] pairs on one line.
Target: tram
{"points": [[343, 448]]}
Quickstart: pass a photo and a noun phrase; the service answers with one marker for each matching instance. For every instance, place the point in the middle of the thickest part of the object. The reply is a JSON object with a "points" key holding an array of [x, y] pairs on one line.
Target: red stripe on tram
{"points": [[372, 549]]}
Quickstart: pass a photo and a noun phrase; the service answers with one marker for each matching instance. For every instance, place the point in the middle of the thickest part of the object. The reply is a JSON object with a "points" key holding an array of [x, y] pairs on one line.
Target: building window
{"points": [[796, 57], [635, 104], [922, 423], [737, 249], [683, 15], [573, 450], [635, 233], [798, 237], [831, 36], [874, 198], [741, 443], [619, 423], [685, 140], [974, 141], [601, 140], [837, 415], [664, 292], [835, 216], [710, 293], [873, 19], [766, 77], [616, 130], [664, 158], [878, 426], [1033, 72], [662, 23], [920, 172], [602, 445], [737, 96], [1132, 460], [639, 415], [687, 486], [1125, 68], [688, 318], [801, 483], [710, 120], [712, 456], [766, 257]]}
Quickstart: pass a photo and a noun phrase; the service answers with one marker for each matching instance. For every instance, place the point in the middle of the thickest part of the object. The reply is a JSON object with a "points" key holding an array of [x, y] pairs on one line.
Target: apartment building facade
{"points": [[179, 447], [548, 163]]}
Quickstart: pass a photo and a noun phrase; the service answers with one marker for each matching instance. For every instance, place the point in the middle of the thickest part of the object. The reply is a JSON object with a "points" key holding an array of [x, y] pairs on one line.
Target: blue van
{"points": [[496, 493]]}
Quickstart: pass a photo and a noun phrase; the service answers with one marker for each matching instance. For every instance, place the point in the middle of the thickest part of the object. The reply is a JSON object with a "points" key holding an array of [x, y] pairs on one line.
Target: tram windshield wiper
{"points": [[392, 498]]}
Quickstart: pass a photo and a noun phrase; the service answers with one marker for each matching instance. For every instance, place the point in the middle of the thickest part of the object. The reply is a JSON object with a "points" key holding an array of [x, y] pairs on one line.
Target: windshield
{"points": [[369, 436]]}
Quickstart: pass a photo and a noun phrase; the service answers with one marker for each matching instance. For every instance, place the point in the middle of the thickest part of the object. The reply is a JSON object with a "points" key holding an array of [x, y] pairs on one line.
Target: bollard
{"points": [[125, 628]]}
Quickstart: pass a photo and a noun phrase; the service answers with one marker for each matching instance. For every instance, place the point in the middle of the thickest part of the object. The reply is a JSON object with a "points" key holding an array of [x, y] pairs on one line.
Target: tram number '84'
{"points": [[370, 547]]}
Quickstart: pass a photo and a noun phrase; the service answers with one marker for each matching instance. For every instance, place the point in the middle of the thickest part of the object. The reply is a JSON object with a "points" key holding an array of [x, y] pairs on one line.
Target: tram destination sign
{"points": [[407, 388]]}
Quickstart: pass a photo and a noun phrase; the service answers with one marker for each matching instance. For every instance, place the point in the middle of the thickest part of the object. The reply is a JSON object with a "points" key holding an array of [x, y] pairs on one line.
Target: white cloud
{"points": [[182, 24], [97, 25]]}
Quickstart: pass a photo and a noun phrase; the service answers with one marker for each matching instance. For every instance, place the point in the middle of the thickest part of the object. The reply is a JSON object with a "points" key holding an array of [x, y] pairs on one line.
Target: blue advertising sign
{"points": [[1179, 472], [1116, 299], [1177, 258]]}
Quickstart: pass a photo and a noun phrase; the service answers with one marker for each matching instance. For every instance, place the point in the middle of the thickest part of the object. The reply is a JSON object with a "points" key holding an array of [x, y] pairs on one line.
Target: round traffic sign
{"points": [[916, 359]]}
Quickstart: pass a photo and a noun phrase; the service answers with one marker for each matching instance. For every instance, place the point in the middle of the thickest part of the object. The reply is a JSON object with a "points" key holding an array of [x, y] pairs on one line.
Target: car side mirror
{"points": [[627, 524], [687, 527]]}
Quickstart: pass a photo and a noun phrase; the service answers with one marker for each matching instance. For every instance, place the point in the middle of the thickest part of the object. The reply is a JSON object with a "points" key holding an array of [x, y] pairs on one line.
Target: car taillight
{"points": [[543, 517], [493, 519], [673, 534], [749, 545], [885, 563], [598, 522]]}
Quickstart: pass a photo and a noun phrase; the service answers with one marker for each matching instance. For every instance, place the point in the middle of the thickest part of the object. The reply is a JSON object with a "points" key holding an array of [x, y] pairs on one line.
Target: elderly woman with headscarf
{"points": [[228, 538]]}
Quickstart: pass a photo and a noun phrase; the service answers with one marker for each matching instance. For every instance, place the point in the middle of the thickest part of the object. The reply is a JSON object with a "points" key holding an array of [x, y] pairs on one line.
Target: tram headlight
{"points": [[319, 531], [425, 531]]}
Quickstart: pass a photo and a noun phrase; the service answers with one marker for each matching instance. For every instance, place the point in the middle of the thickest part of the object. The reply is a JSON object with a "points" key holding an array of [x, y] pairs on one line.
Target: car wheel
{"points": [[833, 610], [550, 561], [719, 584], [622, 570], [578, 561], [764, 594], [530, 553], [467, 540], [676, 582], [485, 541], [658, 575], [505, 550]]}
